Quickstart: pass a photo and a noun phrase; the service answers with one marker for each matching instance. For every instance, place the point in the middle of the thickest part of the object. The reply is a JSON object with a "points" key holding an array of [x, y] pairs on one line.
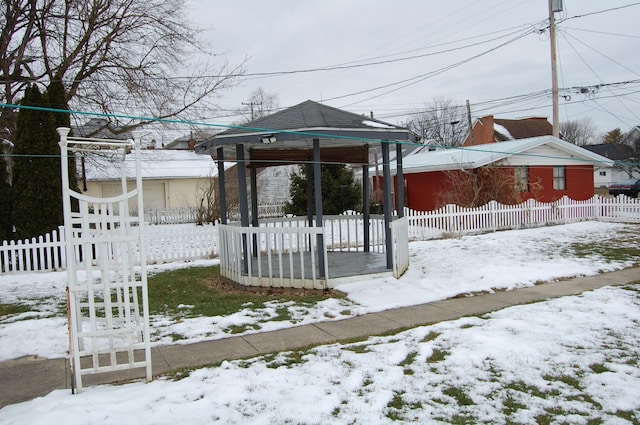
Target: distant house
{"points": [[631, 136], [545, 168], [101, 128], [492, 130], [623, 156], [189, 141], [170, 178]]}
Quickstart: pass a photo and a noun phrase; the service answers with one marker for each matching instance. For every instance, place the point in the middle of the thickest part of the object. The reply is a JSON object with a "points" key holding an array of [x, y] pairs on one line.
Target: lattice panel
{"points": [[108, 301]]}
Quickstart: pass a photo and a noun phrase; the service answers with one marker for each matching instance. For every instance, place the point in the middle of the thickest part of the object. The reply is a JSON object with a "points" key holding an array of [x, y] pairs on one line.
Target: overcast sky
{"points": [[495, 53]]}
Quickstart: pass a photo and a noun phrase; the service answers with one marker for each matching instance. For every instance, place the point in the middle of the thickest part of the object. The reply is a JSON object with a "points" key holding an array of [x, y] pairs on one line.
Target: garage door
{"points": [[153, 194]]}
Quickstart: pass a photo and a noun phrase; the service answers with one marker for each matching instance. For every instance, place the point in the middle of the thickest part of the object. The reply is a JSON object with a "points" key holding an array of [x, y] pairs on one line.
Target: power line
{"points": [[599, 12], [422, 77], [302, 133]]}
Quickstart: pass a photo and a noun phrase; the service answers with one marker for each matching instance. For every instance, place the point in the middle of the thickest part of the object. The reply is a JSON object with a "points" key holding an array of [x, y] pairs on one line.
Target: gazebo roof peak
{"points": [[310, 114]]}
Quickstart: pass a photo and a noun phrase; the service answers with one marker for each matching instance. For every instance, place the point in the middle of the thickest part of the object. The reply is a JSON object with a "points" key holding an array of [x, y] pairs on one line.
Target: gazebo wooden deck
{"points": [[314, 251]]}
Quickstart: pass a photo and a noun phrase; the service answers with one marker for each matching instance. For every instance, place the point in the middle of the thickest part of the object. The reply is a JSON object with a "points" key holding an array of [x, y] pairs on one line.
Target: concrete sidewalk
{"points": [[30, 377]]}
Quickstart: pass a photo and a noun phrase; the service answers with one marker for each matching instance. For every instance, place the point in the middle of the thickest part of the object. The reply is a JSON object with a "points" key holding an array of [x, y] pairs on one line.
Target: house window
{"points": [[559, 178], [522, 179], [603, 173]]}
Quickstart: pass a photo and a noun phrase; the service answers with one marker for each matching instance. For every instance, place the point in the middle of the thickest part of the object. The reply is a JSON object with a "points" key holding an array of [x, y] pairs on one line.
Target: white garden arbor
{"points": [[106, 268], [316, 252]]}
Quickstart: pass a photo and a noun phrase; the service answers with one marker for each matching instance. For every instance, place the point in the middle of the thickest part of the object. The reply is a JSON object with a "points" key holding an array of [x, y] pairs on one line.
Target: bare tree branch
{"points": [[126, 57]]}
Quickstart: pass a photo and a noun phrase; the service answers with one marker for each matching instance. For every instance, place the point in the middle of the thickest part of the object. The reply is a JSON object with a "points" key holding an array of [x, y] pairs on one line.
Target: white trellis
{"points": [[107, 284]]}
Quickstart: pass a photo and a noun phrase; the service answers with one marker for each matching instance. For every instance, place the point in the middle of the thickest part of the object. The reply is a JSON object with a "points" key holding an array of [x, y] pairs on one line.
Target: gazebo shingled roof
{"points": [[289, 134]]}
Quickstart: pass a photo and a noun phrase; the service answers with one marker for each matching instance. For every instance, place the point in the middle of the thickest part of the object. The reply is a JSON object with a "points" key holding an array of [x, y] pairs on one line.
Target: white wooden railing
{"points": [[342, 233], [281, 250], [400, 246], [287, 252]]}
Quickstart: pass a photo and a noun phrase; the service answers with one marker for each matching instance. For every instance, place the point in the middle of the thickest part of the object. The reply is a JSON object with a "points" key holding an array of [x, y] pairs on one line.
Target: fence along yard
{"points": [[188, 242]]}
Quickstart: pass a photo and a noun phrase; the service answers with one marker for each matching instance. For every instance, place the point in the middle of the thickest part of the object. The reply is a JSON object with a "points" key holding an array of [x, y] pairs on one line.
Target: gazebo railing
{"points": [[283, 257], [343, 233], [400, 246], [284, 252]]}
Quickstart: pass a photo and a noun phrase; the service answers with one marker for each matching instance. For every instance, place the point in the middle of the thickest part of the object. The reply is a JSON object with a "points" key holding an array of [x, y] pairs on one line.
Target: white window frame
{"points": [[560, 177]]}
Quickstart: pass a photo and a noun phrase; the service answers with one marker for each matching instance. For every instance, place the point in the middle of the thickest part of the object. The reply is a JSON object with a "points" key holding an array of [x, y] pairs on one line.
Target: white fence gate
{"points": [[107, 297]]}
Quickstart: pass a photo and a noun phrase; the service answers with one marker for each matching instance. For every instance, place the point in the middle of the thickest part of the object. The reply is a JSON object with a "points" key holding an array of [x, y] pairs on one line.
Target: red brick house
{"points": [[545, 168]]}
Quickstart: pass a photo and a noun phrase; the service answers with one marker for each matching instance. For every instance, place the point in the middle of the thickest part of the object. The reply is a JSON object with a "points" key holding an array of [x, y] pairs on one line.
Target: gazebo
{"points": [[316, 251]]}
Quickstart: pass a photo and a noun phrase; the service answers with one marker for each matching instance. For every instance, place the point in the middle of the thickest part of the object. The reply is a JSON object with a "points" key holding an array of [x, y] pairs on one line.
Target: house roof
{"points": [[543, 150], [615, 151], [155, 164], [101, 128], [295, 128], [521, 129], [630, 136]]}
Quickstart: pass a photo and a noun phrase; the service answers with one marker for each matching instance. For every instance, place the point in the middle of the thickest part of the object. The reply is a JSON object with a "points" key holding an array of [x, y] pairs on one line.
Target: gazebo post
{"points": [[317, 181], [399, 181], [386, 181], [366, 201], [221, 188], [253, 174], [310, 179], [242, 193]]}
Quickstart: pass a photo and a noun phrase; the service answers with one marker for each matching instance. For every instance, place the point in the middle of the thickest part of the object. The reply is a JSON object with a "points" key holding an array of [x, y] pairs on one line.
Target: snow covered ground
{"points": [[573, 359]]}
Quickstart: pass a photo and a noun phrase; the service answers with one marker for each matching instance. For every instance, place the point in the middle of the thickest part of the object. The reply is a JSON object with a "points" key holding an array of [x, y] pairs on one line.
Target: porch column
{"points": [[366, 200], [244, 206], [222, 201], [386, 181], [399, 181], [318, 199], [253, 175]]}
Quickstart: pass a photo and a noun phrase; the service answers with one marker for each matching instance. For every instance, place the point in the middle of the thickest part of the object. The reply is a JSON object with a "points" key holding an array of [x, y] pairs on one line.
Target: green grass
{"points": [[12, 309], [431, 336], [437, 355], [599, 368], [624, 247], [199, 287], [523, 387], [459, 396], [398, 405]]}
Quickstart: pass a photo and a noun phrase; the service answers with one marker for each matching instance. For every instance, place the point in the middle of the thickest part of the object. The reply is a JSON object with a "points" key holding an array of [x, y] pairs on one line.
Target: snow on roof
{"points": [[155, 164], [503, 131], [481, 155], [376, 124]]}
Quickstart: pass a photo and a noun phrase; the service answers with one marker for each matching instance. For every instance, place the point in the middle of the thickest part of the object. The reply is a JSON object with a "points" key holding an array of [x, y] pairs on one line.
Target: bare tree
{"points": [[441, 122], [477, 187], [130, 57], [579, 132]]}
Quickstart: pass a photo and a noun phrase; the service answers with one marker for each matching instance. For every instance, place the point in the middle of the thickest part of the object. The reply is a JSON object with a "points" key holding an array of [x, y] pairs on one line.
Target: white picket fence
{"points": [[188, 242], [456, 220], [190, 214]]}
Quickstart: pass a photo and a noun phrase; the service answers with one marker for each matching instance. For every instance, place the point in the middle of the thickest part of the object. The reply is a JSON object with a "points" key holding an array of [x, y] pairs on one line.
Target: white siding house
{"points": [[171, 178]]}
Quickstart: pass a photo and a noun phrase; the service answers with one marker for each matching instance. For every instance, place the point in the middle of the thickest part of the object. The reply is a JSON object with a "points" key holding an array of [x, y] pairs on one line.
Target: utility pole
{"points": [[469, 123], [554, 6], [250, 105]]}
